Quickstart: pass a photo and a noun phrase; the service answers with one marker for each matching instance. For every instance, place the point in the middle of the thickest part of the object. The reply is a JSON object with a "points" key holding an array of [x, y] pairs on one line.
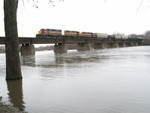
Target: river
{"points": [[97, 81]]}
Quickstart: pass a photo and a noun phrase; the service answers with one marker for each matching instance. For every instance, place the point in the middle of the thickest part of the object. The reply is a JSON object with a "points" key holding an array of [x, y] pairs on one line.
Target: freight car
{"points": [[101, 35], [118, 36]]}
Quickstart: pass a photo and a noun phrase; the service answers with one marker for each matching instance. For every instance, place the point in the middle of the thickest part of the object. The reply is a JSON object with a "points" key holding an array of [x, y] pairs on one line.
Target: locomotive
{"points": [[48, 32], [57, 33]]}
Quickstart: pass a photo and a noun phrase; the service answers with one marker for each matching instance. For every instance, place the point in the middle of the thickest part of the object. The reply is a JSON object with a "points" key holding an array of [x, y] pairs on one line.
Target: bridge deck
{"points": [[68, 40]]}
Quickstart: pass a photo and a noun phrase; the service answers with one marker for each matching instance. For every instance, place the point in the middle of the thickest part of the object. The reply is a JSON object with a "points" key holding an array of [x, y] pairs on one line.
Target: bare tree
{"points": [[147, 34], [142, 2]]}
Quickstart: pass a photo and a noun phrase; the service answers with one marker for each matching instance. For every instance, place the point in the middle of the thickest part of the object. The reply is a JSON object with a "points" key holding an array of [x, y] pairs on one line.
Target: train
{"points": [[43, 33]]}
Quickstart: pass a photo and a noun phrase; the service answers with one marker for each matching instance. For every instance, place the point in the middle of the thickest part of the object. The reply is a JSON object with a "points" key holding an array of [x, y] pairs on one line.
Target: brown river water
{"points": [[96, 81]]}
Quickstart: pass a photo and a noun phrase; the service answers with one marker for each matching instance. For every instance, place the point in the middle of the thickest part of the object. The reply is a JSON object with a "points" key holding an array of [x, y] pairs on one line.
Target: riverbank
{"points": [[8, 108]]}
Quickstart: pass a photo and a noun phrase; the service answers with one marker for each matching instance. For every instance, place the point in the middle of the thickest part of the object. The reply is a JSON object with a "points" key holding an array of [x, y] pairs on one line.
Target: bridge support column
{"points": [[113, 45], [100, 45], [27, 49], [136, 43], [84, 47], [130, 44], [122, 44], [116, 45], [60, 48]]}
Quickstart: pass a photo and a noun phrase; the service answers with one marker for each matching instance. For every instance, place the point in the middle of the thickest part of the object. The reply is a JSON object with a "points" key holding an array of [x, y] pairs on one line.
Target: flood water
{"points": [[97, 81]]}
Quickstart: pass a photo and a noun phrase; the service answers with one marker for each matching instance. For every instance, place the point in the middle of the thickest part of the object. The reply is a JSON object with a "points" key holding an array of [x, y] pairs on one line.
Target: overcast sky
{"points": [[103, 16]]}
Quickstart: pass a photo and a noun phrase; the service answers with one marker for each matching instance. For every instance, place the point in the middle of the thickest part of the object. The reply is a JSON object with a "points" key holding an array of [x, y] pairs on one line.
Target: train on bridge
{"points": [[45, 33]]}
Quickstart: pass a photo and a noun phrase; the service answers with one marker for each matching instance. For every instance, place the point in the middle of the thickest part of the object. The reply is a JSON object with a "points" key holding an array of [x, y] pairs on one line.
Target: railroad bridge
{"points": [[83, 43]]}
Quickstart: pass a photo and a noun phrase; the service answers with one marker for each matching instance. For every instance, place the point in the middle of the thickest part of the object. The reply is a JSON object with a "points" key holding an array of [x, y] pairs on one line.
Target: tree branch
{"points": [[105, 1], [139, 5]]}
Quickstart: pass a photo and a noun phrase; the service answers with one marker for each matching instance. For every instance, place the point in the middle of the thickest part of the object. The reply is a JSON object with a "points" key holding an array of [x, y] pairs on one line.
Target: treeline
{"points": [[147, 35], [42, 48], [2, 49]]}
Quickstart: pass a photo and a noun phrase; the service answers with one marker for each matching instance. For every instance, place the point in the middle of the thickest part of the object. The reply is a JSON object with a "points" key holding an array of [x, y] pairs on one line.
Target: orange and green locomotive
{"points": [[57, 32], [49, 32]]}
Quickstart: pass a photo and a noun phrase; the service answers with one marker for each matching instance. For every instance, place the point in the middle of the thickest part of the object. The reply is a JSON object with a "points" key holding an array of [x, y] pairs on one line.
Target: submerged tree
{"points": [[13, 68]]}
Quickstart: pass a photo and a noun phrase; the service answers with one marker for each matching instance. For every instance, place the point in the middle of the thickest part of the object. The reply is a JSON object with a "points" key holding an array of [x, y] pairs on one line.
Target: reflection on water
{"points": [[28, 60], [15, 94], [81, 57], [96, 81]]}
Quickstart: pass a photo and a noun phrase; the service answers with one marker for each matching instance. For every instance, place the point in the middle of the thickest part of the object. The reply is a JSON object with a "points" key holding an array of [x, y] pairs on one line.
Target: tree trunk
{"points": [[13, 68]]}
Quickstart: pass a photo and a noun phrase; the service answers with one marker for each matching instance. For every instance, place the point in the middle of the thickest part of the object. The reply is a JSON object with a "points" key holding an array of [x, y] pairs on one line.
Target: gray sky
{"points": [[112, 16]]}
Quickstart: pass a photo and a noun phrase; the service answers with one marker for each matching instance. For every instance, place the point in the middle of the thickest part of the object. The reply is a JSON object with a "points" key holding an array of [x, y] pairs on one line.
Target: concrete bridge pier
{"points": [[116, 45], [123, 44], [100, 45], [131, 44], [136, 43], [84, 47], [128, 44], [113, 45], [60, 48], [27, 49]]}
